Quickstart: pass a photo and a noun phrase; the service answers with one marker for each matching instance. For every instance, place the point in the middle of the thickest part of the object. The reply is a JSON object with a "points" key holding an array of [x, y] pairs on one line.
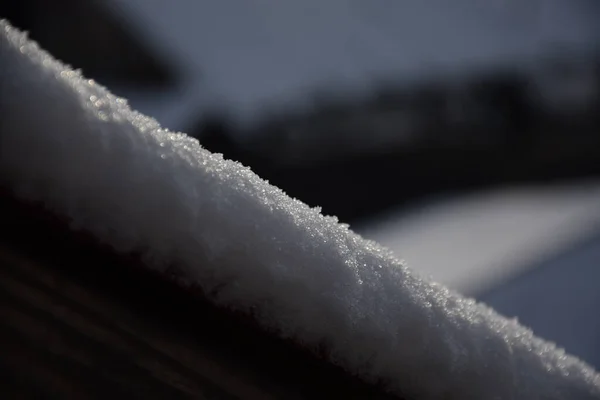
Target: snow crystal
{"points": [[69, 143]]}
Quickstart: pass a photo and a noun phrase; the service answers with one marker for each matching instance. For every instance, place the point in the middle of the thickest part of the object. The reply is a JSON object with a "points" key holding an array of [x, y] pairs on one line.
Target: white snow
{"points": [[67, 142], [471, 243], [559, 299]]}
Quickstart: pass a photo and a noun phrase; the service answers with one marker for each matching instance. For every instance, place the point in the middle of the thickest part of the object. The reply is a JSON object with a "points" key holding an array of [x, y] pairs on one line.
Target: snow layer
{"points": [[69, 143], [512, 229]]}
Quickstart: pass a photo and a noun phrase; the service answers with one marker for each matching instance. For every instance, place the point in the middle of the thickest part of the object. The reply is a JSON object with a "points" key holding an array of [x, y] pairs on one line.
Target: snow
{"points": [[67, 142], [559, 299], [511, 229]]}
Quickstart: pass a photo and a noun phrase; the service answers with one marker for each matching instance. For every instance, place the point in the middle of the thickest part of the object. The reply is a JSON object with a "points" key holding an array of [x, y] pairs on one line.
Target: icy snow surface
{"points": [[67, 142]]}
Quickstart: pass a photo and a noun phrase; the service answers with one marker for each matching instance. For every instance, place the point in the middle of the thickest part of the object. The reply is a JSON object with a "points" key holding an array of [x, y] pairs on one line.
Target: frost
{"points": [[68, 142]]}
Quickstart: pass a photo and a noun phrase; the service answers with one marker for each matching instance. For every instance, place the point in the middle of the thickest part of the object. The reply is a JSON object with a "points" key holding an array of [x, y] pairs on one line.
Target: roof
{"points": [[211, 224]]}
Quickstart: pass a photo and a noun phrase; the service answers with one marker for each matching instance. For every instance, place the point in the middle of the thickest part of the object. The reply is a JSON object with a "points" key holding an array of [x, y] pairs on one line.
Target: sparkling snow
{"points": [[69, 143]]}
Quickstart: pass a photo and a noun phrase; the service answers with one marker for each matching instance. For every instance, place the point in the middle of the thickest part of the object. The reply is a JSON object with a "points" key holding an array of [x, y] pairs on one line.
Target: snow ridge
{"points": [[66, 141]]}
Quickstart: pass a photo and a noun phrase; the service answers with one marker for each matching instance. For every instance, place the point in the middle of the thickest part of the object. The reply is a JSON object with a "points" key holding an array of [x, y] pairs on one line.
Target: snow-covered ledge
{"points": [[67, 142]]}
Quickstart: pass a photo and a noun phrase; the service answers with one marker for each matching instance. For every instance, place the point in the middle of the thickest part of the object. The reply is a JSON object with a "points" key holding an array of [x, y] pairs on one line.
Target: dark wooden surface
{"points": [[79, 322]]}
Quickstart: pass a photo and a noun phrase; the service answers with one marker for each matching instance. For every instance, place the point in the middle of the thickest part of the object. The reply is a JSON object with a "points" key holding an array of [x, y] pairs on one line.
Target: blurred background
{"points": [[462, 135]]}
